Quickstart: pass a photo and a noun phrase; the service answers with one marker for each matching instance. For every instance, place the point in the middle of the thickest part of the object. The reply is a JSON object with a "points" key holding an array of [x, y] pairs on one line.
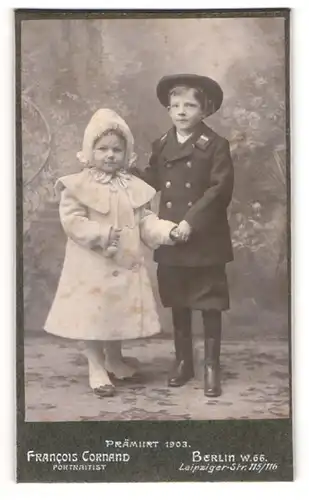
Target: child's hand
{"points": [[114, 235], [184, 230], [112, 247], [174, 234]]}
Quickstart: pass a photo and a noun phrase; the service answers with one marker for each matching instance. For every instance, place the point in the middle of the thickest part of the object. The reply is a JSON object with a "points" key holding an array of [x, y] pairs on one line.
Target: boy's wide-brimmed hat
{"points": [[211, 88]]}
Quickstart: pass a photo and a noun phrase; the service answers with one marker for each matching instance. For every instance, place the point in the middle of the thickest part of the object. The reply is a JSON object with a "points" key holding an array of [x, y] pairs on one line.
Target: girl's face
{"points": [[109, 153], [185, 111]]}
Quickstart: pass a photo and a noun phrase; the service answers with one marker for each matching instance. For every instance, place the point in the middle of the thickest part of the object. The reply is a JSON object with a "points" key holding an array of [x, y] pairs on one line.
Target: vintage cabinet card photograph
{"points": [[153, 245]]}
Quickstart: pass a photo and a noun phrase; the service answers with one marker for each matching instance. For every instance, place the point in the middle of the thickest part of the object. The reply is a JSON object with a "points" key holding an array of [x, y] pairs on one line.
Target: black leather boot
{"points": [[212, 329], [183, 369]]}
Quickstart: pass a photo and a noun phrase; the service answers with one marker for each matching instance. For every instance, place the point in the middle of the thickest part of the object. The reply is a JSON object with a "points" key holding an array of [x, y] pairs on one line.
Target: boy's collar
{"points": [[182, 138], [173, 150]]}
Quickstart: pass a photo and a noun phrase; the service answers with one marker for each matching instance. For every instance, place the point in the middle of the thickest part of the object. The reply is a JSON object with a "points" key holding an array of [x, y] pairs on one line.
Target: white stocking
{"points": [[98, 375], [114, 361]]}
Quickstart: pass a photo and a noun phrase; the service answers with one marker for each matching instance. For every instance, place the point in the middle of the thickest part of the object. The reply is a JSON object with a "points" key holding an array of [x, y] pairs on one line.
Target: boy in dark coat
{"points": [[191, 166]]}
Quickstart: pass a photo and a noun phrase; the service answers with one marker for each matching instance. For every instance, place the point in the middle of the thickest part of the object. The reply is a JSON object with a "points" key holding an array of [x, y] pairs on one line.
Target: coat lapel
{"points": [[173, 150]]}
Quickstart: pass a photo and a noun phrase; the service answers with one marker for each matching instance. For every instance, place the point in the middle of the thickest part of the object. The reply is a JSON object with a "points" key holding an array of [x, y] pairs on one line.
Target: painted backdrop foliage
{"points": [[72, 67]]}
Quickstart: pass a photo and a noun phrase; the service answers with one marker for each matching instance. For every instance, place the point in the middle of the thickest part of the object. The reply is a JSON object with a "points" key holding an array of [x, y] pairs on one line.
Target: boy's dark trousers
{"points": [[183, 369]]}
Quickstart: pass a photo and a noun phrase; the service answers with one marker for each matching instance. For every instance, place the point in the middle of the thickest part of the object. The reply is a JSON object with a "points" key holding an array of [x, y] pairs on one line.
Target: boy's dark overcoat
{"points": [[196, 184]]}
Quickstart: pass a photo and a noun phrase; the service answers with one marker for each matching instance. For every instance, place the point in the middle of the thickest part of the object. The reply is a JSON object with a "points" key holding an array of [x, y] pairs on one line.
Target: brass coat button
{"points": [[189, 164], [169, 204], [188, 185], [190, 204], [168, 184]]}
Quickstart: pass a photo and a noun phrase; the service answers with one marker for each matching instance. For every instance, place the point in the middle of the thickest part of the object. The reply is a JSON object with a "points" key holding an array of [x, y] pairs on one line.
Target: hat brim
{"points": [[211, 88]]}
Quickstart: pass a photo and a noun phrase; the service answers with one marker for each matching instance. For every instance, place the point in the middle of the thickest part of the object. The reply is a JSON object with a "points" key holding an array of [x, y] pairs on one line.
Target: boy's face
{"points": [[185, 111], [109, 153]]}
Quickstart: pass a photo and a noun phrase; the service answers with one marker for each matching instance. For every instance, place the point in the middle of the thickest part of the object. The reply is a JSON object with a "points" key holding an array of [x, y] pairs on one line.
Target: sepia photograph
{"points": [[154, 217]]}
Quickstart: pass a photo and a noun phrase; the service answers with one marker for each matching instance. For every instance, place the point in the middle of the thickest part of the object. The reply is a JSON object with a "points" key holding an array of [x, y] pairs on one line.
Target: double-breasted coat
{"points": [[196, 183], [99, 297], [195, 179]]}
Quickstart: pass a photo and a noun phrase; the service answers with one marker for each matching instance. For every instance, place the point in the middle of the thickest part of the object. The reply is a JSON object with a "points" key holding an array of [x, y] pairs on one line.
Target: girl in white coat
{"points": [[104, 294]]}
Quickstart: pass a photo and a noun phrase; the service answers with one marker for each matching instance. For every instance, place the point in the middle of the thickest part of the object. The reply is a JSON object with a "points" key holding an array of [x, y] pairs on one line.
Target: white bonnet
{"points": [[102, 121]]}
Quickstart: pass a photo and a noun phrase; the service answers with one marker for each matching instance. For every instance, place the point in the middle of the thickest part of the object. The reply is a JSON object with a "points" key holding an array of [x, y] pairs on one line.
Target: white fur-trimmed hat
{"points": [[102, 121]]}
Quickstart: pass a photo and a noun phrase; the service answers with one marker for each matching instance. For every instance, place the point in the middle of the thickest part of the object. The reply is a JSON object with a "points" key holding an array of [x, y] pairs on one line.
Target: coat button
{"points": [[115, 273], [168, 165], [190, 204], [169, 204], [189, 164], [188, 185], [168, 184]]}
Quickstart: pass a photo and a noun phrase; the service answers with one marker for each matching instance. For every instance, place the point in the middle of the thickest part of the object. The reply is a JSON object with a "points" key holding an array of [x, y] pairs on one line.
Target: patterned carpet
{"points": [[255, 383]]}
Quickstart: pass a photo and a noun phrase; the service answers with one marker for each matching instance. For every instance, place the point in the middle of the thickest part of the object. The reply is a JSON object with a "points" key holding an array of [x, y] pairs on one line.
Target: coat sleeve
{"points": [[154, 231], [150, 173], [77, 226], [219, 193]]}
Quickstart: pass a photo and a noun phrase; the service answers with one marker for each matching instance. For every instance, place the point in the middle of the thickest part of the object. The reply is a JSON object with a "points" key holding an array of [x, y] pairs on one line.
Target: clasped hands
{"points": [[181, 232]]}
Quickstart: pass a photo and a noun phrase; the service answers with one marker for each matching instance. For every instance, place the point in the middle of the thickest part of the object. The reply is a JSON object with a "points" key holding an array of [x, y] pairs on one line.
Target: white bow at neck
{"points": [[117, 179]]}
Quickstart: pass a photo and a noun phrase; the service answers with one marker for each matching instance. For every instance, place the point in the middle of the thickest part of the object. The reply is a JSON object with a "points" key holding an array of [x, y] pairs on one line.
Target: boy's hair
{"points": [[111, 131], [199, 94]]}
